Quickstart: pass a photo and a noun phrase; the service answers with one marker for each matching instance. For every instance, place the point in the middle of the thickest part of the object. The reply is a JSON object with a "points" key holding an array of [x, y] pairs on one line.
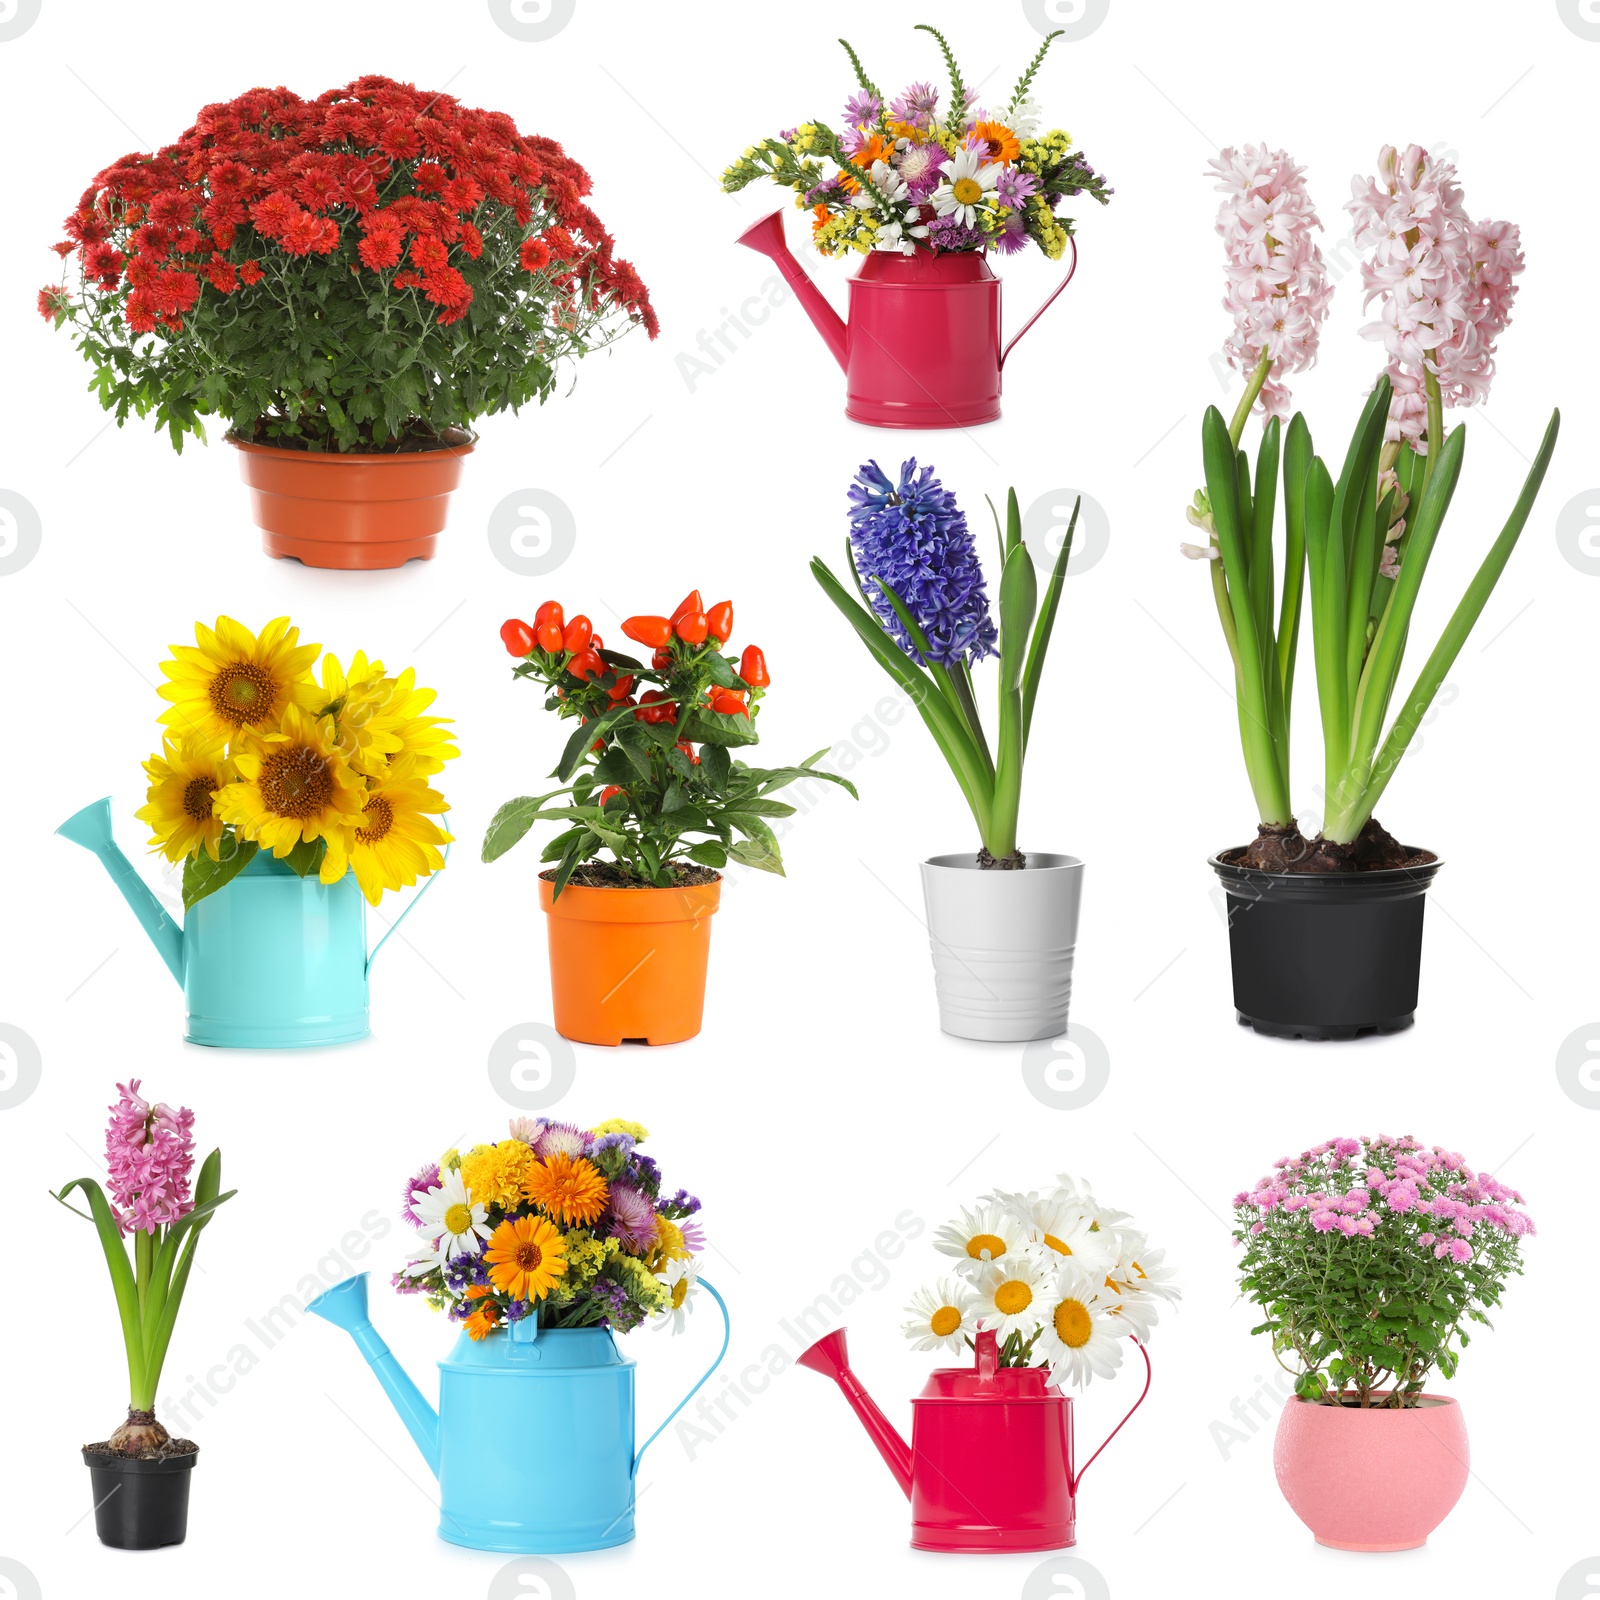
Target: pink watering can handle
{"points": [[1077, 1477], [1050, 301]]}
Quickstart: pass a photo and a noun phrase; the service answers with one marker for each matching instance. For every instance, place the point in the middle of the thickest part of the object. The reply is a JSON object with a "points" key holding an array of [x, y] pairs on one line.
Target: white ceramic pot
{"points": [[1003, 944]]}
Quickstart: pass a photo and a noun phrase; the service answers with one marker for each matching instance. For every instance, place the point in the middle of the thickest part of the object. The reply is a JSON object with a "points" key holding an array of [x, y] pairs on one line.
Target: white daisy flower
{"points": [[1081, 1337], [967, 180], [1137, 1267], [1012, 1296], [452, 1218], [942, 1317], [682, 1282], [984, 1234]]}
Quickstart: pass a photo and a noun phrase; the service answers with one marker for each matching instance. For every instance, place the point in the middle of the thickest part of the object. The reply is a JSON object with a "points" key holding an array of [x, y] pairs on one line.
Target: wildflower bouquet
{"points": [[651, 769], [902, 175], [329, 773], [1367, 1255], [369, 270], [565, 1224], [924, 614], [1060, 1280], [149, 1163], [1446, 285]]}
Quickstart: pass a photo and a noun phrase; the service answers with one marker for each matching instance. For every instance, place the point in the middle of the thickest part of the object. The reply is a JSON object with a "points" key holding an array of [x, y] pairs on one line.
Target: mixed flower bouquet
{"points": [[158, 1201], [565, 1224], [1367, 1255], [330, 774], [904, 175], [1446, 285], [924, 614], [1059, 1279], [369, 270], [650, 769]]}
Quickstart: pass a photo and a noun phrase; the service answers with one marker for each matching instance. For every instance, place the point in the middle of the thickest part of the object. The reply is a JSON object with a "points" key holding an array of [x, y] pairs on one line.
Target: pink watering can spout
{"points": [[767, 237], [831, 1357]]}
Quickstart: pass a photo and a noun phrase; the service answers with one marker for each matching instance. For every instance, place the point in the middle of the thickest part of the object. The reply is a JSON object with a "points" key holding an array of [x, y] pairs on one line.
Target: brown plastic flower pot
{"points": [[348, 511], [629, 965]]}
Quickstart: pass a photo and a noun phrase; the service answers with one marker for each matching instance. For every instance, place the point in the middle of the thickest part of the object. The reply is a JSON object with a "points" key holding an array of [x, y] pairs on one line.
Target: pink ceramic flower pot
{"points": [[1373, 1479]]}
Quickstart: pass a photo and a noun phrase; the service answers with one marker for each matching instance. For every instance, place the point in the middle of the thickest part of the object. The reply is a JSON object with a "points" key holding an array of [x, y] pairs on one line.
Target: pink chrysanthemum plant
{"points": [[1361, 541], [160, 1204], [1368, 1257]]}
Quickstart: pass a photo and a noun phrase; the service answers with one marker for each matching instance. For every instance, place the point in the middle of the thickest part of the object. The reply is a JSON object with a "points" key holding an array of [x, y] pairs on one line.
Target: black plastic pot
{"points": [[1325, 955], [140, 1505]]}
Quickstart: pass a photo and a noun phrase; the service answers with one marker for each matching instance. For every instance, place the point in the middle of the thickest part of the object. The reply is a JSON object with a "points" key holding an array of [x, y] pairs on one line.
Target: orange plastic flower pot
{"points": [[629, 964], [354, 512]]}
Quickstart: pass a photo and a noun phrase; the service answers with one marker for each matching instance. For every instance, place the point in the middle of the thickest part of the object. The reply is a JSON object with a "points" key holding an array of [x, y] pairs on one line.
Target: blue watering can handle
{"points": [[407, 912], [727, 1334]]}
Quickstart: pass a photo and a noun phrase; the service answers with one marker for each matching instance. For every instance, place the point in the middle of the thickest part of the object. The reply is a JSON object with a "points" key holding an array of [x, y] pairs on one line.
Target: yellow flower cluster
{"points": [[1049, 149], [634, 1130], [1051, 235], [330, 773], [493, 1173]]}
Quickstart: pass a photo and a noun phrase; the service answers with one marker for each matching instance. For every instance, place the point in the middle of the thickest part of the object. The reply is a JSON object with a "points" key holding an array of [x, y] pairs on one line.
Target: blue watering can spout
{"points": [[345, 1306], [91, 828]]}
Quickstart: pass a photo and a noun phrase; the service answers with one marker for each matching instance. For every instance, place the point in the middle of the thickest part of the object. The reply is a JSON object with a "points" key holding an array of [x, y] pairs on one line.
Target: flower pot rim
{"points": [[1428, 1395], [109, 1460], [365, 457], [1380, 875], [967, 861], [633, 888]]}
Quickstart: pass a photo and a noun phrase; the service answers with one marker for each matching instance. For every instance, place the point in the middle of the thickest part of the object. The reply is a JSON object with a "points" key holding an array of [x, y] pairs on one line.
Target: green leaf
{"points": [[705, 726], [716, 765], [708, 853], [720, 672], [122, 1279], [203, 876], [1033, 671], [306, 857], [755, 853], [512, 821]]}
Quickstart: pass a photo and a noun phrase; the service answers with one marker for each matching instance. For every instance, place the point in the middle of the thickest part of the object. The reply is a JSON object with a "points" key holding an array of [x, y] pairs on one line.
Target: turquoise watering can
{"points": [[270, 961], [532, 1443]]}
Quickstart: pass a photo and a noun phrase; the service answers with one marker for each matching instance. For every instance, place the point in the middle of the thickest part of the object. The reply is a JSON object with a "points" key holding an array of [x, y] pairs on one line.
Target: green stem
{"points": [[1252, 391], [1435, 426]]}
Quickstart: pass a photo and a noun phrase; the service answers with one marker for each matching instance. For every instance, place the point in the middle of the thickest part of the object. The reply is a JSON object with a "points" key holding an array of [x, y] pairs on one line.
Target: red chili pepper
{"points": [[577, 635], [586, 665], [729, 703], [661, 660], [653, 631], [549, 637], [654, 708], [692, 627], [550, 611], [620, 688], [610, 790], [517, 636], [719, 619], [753, 667], [595, 641], [690, 602], [690, 751]]}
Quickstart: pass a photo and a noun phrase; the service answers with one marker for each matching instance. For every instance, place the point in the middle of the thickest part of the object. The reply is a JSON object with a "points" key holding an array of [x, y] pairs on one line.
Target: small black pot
{"points": [[140, 1505], [1325, 955]]}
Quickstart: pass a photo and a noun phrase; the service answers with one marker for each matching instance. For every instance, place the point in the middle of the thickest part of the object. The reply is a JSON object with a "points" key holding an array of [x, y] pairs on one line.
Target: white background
{"points": [[821, 1101]]}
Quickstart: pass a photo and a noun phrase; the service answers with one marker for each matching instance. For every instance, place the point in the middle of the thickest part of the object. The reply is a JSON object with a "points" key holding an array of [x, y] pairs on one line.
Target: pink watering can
{"points": [[921, 348], [990, 1466]]}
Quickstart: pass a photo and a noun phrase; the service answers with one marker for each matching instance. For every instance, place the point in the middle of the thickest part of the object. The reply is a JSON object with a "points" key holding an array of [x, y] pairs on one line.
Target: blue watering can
{"points": [[270, 961], [532, 1443]]}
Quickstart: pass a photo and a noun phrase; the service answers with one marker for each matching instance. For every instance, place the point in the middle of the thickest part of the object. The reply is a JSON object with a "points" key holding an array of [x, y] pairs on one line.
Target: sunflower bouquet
{"points": [[568, 1225], [1058, 1279], [329, 771], [903, 174]]}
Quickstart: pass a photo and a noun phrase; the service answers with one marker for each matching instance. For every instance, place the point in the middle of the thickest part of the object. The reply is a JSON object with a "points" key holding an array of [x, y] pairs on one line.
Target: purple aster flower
{"points": [[862, 108], [1013, 186], [948, 233], [427, 1179], [694, 1236], [633, 1219], [913, 537], [1013, 235], [915, 106], [922, 167]]}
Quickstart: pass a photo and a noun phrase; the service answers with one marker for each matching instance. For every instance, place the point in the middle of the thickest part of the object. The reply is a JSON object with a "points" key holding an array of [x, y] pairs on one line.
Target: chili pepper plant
{"points": [[1362, 540], [923, 612], [648, 773]]}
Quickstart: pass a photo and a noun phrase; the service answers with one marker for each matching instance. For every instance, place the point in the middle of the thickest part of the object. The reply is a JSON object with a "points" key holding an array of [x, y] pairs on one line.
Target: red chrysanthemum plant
{"points": [[369, 270]]}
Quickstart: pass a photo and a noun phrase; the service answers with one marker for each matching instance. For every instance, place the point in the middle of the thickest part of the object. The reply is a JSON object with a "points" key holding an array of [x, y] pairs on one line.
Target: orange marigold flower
{"points": [[568, 1190]]}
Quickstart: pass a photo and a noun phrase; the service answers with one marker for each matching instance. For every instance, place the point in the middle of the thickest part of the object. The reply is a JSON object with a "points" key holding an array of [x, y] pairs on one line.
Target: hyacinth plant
{"points": [[905, 175], [1359, 543], [1057, 1279], [1367, 1256], [924, 614], [149, 1166]]}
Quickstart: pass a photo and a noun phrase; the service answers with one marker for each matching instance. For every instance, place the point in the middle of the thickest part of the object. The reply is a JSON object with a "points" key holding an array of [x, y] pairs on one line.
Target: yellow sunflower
{"points": [[570, 1191], [294, 787], [184, 781], [361, 703], [236, 680], [525, 1256], [395, 843], [425, 746]]}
